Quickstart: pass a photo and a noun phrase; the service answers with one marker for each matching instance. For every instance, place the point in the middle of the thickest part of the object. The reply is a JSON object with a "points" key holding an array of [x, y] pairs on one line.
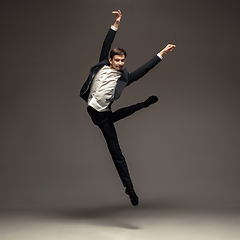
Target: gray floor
{"points": [[121, 223]]}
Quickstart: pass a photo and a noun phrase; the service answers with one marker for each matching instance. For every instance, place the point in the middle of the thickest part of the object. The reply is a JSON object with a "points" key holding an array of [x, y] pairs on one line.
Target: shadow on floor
{"points": [[115, 216]]}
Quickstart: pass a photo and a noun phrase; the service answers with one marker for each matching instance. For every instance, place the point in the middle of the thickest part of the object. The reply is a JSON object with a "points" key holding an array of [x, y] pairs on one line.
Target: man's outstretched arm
{"points": [[110, 36], [140, 72]]}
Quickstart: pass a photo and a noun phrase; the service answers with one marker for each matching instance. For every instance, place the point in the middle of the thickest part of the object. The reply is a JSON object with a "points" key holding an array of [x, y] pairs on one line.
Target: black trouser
{"points": [[105, 120]]}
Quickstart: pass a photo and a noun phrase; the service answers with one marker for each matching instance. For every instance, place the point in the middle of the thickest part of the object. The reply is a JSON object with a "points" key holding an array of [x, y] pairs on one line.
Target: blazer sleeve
{"points": [[107, 45], [140, 72]]}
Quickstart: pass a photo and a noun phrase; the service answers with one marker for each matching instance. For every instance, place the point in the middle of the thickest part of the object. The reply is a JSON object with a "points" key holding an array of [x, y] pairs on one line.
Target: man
{"points": [[104, 85]]}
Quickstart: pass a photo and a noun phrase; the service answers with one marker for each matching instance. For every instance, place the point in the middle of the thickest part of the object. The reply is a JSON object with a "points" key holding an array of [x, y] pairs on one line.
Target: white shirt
{"points": [[103, 87]]}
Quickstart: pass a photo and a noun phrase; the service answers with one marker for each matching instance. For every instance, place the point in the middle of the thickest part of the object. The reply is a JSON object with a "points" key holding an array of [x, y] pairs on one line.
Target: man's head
{"points": [[117, 58]]}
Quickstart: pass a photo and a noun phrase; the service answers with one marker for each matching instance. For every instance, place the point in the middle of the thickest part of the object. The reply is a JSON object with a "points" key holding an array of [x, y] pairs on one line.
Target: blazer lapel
{"points": [[121, 84]]}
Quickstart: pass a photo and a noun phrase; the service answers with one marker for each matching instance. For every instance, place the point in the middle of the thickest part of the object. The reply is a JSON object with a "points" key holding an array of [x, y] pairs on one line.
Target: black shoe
{"points": [[132, 195], [150, 100]]}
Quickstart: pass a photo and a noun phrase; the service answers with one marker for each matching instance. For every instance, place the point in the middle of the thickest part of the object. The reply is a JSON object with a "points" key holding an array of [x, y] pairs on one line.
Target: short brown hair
{"points": [[117, 51]]}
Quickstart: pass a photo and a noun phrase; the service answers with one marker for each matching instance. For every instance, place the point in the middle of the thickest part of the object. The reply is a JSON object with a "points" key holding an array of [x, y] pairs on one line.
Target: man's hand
{"points": [[118, 16], [167, 49]]}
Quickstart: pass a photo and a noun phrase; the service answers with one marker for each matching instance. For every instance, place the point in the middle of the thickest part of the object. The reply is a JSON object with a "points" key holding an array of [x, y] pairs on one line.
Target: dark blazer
{"points": [[125, 79]]}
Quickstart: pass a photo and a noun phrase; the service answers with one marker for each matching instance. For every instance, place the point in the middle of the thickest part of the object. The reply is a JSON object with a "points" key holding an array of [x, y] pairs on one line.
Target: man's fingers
{"points": [[170, 47], [117, 12], [167, 49]]}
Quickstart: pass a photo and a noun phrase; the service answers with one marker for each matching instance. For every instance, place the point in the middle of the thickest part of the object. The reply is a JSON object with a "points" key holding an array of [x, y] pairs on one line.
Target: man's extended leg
{"points": [[110, 136], [127, 111]]}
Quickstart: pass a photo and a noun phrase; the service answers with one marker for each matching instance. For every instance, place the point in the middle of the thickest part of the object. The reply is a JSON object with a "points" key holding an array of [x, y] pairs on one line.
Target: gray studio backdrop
{"points": [[182, 151]]}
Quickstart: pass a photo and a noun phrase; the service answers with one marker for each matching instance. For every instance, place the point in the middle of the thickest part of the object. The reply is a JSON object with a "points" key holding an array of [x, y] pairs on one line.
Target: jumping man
{"points": [[105, 83]]}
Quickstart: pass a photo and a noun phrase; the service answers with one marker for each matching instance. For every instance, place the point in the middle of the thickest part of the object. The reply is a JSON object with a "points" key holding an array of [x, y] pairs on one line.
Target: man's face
{"points": [[117, 62]]}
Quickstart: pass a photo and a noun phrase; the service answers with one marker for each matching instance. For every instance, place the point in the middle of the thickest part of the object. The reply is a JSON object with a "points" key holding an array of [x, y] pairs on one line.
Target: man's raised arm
{"points": [[110, 36]]}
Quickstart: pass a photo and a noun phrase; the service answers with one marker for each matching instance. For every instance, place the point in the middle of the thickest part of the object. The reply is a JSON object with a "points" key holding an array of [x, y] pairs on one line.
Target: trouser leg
{"points": [[110, 136], [126, 111]]}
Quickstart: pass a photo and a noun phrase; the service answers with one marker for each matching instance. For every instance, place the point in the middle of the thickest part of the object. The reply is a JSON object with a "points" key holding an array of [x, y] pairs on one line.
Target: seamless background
{"points": [[182, 151]]}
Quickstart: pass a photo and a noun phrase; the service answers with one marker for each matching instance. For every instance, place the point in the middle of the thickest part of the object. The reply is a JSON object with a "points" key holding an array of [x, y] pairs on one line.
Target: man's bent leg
{"points": [[127, 111]]}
